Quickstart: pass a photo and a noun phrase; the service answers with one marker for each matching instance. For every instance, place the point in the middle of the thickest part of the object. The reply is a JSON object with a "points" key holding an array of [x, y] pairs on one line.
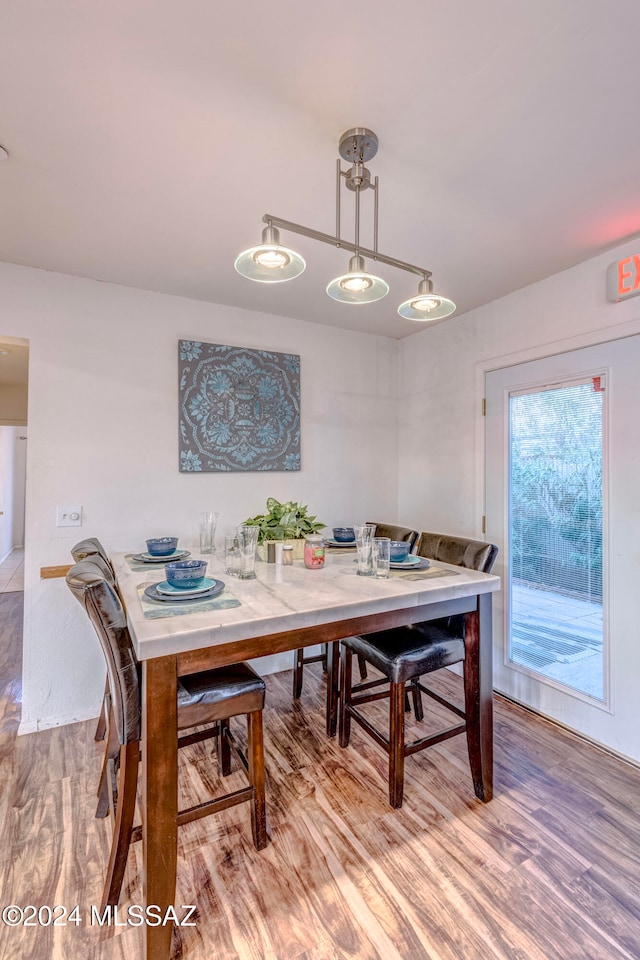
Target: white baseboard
{"points": [[34, 726], [274, 663], [265, 665]]}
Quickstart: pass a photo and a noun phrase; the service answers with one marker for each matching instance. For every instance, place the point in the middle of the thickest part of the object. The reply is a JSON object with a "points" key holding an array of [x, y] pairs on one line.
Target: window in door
{"points": [[555, 622]]}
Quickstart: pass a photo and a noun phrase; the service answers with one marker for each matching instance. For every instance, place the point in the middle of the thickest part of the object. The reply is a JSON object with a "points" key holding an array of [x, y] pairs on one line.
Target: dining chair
{"points": [[208, 699], [300, 659], [91, 547], [404, 655]]}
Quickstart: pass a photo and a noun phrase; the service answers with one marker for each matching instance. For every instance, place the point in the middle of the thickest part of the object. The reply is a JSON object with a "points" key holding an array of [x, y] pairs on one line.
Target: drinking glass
{"points": [[381, 556], [364, 543], [247, 541], [232, 555], [208, 521]]}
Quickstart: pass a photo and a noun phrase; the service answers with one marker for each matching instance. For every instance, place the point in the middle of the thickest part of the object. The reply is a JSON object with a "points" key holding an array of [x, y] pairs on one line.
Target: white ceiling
{"points": [[147, 138]]}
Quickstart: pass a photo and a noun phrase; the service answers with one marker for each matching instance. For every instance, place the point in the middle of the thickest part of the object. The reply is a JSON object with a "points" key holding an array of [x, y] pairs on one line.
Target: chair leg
{"points": [[101, 727], [224, 749], [324, 657], [344, 717], [256, 776], [298, 667], [396, 744], [362, 665], [111, 751], [417, 700], [123, 824]]}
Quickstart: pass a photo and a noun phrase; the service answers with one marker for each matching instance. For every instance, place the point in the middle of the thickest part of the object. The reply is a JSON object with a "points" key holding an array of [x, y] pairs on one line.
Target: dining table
{"points": [[285, 607]]}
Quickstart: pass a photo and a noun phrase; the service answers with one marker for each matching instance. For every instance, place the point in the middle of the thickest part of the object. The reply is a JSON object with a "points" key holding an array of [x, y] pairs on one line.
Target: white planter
{"points": [[298, 548]]}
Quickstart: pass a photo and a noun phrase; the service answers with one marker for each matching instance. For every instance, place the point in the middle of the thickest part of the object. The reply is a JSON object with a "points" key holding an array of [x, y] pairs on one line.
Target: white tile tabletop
{"points": [[284, 598]]}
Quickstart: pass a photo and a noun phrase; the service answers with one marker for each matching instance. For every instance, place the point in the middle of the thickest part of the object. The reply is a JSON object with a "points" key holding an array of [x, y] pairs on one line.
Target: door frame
{"points": [[606, 703], [483, 367], [601, 336]]}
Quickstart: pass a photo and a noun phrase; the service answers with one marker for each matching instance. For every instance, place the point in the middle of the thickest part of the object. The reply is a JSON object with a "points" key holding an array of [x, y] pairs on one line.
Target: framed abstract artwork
{"points": [[239, 408]]}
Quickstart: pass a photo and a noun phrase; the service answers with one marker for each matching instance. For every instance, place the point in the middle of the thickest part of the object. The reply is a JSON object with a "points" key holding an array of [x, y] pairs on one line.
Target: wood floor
{"points": [[549, 870]]}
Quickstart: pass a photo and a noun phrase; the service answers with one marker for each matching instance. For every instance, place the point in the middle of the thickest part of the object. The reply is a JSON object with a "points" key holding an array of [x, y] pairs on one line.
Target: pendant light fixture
{"points": [[426, 305], [271, 263], [357, 286]]}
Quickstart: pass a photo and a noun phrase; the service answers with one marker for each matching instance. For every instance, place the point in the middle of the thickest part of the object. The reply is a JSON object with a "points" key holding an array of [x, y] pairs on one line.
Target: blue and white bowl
{"points": [[162, 546], [344, 534], [186, 574], [399, 551]]}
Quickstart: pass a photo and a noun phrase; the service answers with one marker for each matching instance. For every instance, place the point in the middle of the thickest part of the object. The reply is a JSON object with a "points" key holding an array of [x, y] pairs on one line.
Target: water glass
{"points": [[247, 542], [381, 556], [364, 543], [208, 521], [232, 555]]}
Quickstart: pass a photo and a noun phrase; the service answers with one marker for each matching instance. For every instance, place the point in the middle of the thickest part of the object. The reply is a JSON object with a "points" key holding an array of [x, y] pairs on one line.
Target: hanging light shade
{"points": [[427, 305], [270, 262], [358, 285]]}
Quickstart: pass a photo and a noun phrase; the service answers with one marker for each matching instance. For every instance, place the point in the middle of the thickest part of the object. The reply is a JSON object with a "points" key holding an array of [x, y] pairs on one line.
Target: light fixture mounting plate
{"points": [[358, 145]]}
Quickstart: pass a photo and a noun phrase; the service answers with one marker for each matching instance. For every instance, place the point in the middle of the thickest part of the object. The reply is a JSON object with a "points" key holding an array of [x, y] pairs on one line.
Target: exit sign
{"points": [[623, 278]]}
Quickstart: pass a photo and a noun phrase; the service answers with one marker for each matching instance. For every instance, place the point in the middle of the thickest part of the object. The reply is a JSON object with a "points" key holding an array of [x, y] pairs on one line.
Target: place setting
{"points": [[343, 538], [185, 580], [159, 550], [401, 559], [185, 589]]}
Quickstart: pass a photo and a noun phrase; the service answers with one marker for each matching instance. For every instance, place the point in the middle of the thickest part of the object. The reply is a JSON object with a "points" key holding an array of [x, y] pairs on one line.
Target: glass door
{"points": [[555, 497], [562, 504]]}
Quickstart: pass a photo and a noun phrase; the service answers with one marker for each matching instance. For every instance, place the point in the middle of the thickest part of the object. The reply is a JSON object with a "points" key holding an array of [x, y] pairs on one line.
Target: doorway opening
{"points": [[14, 372]]}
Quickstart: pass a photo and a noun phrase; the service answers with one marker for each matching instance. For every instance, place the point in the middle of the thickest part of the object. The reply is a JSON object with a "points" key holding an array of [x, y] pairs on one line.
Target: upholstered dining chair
{"points": [[404, 655], [300, 659], [91, 547], [208, 699]]}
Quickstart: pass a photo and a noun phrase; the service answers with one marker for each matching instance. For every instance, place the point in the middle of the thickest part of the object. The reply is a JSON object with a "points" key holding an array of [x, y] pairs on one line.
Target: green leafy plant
{"points": [[284, 521]]}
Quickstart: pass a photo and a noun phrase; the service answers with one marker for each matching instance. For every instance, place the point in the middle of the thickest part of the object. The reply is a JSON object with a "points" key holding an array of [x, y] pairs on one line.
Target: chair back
{"points": [[460, 551], [93, 589], [90, 547], [394, 532]]}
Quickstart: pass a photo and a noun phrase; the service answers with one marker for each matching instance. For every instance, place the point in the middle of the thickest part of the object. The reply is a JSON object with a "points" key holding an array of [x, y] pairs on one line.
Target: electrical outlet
{"points": [[68, 516]]}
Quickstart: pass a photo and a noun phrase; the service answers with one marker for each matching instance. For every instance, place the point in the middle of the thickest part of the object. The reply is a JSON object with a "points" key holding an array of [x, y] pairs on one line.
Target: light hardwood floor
{"points": [[549, 870]]}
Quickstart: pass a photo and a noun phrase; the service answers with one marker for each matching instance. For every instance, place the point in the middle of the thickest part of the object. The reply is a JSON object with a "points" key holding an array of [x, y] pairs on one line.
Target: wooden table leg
{"points": [[333, 664], [159, 796], [478, 691]]}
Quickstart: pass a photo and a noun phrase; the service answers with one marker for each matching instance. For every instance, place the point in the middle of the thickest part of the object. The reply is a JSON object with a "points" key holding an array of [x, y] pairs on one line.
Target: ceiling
{"points": [[147, 138]]}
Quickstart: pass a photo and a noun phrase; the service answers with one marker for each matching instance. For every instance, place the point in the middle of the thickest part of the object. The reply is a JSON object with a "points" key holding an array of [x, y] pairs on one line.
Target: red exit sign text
{"points": [[623, 278]]}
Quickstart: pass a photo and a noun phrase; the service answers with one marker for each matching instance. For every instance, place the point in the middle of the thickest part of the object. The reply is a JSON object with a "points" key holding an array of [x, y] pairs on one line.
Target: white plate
{"points": [[340, 543], [169, 590]]}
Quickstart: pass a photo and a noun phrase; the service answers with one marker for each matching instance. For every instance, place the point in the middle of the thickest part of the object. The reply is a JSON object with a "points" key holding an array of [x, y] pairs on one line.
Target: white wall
{"points": [[103, 398], [441, 459]]}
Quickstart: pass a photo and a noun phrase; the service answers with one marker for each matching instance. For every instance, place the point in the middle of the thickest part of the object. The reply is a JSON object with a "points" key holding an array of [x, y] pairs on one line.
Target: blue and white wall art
{"points": [[239, 408]]}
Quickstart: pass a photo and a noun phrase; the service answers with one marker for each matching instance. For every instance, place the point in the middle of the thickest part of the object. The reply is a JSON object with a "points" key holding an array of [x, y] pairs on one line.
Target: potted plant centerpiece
{"points": [[284, 522]]}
